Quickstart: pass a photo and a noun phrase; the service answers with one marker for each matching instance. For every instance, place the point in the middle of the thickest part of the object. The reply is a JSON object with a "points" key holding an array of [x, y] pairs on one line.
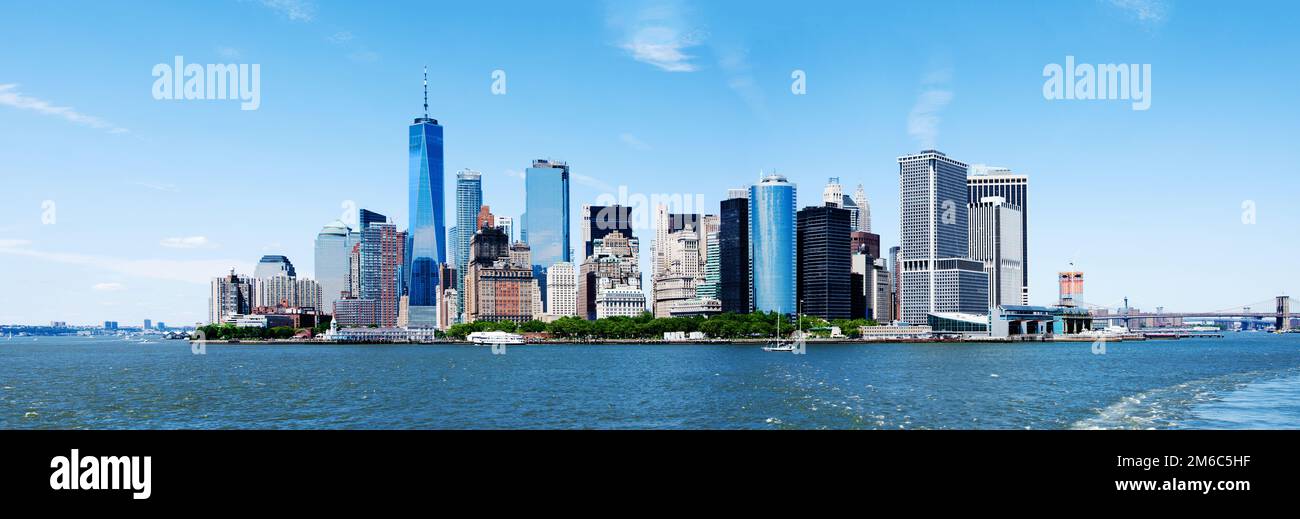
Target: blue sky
{"points": [[153, 197]]}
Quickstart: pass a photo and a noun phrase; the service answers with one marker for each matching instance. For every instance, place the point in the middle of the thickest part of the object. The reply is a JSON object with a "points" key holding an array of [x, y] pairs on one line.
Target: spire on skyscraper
{"points": [[426, 91]]}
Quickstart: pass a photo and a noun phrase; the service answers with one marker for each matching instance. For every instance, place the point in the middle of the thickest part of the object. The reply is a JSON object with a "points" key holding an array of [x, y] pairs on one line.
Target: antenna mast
{"points": [[426, 91]]}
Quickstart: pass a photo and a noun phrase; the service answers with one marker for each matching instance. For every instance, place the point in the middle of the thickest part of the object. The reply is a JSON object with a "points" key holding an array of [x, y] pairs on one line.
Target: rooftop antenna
{"points": [[426, 91]]}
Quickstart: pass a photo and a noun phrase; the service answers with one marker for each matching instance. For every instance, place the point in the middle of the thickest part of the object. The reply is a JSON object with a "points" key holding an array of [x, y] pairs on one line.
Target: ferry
{"points": [[495, 338]]}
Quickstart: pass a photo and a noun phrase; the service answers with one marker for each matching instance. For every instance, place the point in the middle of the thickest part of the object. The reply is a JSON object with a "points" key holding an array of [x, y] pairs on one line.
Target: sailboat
{"points": [[779, 345]]}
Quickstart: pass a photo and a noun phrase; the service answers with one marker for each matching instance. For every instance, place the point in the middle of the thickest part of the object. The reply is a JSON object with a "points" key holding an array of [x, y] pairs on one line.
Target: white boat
{"points": [[777, 344], [494, 338]]}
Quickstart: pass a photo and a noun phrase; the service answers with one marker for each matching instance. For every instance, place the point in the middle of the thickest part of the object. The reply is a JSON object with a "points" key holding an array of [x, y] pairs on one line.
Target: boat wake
{"points": [[1170, 407]]}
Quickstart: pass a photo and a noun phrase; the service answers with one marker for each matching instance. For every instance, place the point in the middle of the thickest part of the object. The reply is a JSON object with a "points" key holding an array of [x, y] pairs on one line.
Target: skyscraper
{"points": [[366, 217], [379, 264], [733, 254], [864, 210], [274, 265], [995, 240], [599, 220], [984, 181], [546, 217], [936, 274], [498, 289], [232, 294], [562, 289], [469, 201], [612, 265], [507, 225], [772, 245], [708, 289], [824, 265], [426, 241]]}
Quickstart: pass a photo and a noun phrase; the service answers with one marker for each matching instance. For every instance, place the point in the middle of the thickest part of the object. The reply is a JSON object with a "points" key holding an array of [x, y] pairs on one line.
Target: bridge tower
{"points": [[1283, 313]]}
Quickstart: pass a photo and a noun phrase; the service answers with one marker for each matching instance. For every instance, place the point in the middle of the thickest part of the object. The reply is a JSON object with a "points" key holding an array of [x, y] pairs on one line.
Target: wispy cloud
{"points": [[923, 121], [633, 142], [656, 34], [166, 188], [187, 242], [10, 96], [296, 10], [1151, 12], [592, 182], [515, 173], [340, 37], [734, 61], [106, 287], [228, 52], [363, 56], [8, 244]]}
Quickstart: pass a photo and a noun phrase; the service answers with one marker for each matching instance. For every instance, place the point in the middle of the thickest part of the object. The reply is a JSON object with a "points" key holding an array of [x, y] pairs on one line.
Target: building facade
{"points": [[772, 244], [995, 240], [733, 254], [546, 217], [824, 265], [562, 289], [426, 245], [934, 227], [983, 181]]}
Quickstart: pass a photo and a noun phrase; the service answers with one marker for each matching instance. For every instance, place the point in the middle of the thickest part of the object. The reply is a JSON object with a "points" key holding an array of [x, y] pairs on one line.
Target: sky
{"points": [[115, 205]]}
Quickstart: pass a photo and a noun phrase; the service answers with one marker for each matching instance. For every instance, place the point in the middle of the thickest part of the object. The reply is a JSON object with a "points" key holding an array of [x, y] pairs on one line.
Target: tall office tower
{"points": [[937, 275], [497, 289], [487, 219], [333, 244], [447, 296], [707, 230], [379, 265], [148, 324], [895, 282], [667, 223], [507, 225], [613, 264], [426, 245], [833, 194], [562, 289], [600, 220], [676, 282], [231, 295], [864, 210], [365, 217], [772, 246], [995, 240], [546, 216], [469, 202], [274, 266], [864, 242], [733, 253], [709, 288], [1071, 288], [453, 237], [354, 270], [984, 181], [824, 261], [871, 288]]}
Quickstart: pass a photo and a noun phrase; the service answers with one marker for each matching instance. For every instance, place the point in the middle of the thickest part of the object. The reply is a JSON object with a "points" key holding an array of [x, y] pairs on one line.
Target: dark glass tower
{"points": [[427, 241], [825, 284], [733, 255]]}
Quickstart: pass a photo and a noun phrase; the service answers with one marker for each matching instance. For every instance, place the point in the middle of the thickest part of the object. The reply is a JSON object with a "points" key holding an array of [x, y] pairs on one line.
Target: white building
{"points": [[619, 301], [562, 289]]}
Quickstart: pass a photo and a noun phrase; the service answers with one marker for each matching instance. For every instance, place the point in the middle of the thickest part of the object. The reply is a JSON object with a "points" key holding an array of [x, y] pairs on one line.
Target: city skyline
{"points": [[1146, 195]]}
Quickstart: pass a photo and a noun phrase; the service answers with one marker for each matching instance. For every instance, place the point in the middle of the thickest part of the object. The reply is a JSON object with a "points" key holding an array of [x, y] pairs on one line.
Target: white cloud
{"points": [[187, 242], [9, 244], [923, 121], [227, 52], [166, 188], [341, 37], [633, 142], [106, 287], [514, 173], [657, 35], [296, 10], [10, 96], [1145, 11], [592, 182], [734, 60], [363, 56]]}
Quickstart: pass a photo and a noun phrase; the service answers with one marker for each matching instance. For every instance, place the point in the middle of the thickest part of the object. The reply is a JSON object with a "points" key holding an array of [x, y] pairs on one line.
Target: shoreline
{"points": [[719, 342]]}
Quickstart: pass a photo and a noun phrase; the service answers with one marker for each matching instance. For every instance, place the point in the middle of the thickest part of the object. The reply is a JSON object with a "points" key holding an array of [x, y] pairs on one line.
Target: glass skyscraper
{"points": [[426, 245], [333, 245], [469, 198], [546, 217], [772, 248]]}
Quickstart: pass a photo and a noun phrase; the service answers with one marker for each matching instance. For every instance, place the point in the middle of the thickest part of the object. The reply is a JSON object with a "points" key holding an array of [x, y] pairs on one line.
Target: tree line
{"points": [[646, 326]]}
